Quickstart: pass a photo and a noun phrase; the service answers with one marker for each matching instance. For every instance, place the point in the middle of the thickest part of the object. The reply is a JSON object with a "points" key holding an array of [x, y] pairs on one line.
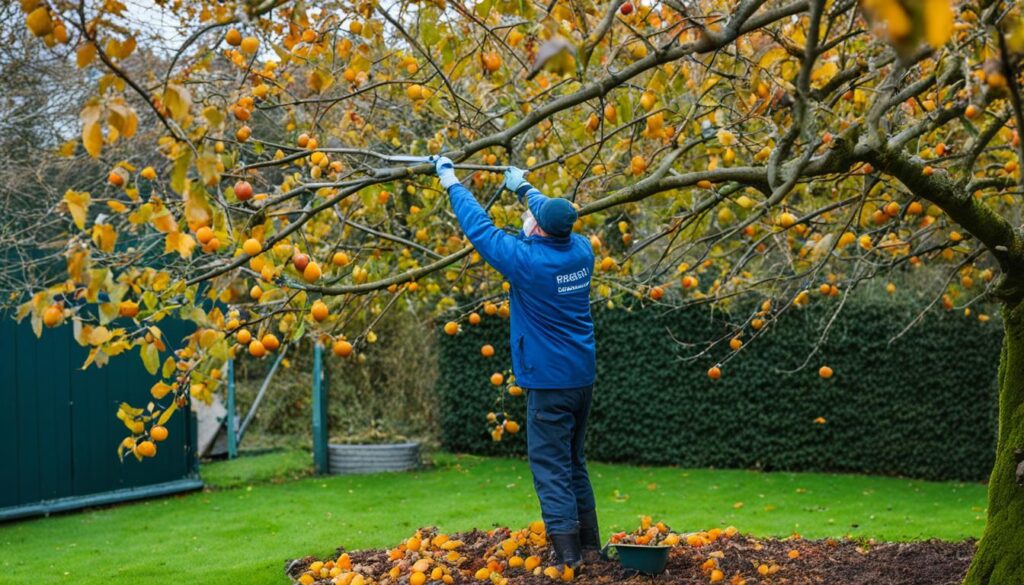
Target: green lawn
{"points": [[263, 510]]}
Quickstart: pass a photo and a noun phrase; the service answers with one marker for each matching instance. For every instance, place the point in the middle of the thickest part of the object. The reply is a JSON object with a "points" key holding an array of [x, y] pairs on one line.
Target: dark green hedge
{"points": [[924, 407]]}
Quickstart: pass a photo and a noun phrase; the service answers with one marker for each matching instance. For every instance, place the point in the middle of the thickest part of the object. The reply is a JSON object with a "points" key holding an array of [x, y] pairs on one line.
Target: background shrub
{"points": [[924, 406], [389, 396]]}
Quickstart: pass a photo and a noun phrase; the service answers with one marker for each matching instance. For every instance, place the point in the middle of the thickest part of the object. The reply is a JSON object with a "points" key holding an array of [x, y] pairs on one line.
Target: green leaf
{"points": [[168, 368], [299, 331], [150, 299], [219, 350], [483, 8], [179, 174], [150, 357]]}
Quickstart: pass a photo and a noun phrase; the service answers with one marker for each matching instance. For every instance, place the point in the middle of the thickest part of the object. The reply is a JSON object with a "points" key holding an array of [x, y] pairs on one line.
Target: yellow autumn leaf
{"points": [[125, 48], [166, 416], [117, 206], [180, 243], [39, 21], [104, 236], [77, 203], [92, 139], [99, 335], [319, 81], [122, 118], [159, 390], [213, 115], [823, 74], [896, 20], [117, 348], [78, 262], [85, 55], [772, 56], [208, 167], [67, 149], [938, 21], [177, 100], [163, 221], [197, 207]]}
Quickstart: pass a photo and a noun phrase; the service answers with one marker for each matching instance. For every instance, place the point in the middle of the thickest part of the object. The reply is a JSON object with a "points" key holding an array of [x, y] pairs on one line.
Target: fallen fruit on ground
{"points": [[523, 557]]}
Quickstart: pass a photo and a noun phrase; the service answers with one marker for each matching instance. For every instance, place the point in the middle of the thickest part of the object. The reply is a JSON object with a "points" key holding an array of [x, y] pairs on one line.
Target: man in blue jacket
{"points": [[549, 269]]}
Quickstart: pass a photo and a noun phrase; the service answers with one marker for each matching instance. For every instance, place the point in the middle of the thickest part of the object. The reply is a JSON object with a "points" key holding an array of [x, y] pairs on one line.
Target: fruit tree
{"points": [[783, 152]]}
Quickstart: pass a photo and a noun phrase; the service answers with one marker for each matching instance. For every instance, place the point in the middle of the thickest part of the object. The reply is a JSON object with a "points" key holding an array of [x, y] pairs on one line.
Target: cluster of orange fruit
{"points": [[659, 534], [146, 448], [430, 556], [501, 424], [652, 533]]}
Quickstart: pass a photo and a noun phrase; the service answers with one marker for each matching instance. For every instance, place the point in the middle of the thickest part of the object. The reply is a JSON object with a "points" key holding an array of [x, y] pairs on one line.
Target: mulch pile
{"points": [[736, 560]]}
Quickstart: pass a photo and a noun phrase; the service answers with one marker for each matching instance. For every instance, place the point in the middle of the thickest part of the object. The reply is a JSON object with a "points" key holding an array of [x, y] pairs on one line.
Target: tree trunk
{"points": [[999, 559]]}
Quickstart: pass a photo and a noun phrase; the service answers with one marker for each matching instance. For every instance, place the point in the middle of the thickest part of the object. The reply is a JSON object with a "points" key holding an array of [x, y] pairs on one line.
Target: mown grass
{"points": [[260, 511]]}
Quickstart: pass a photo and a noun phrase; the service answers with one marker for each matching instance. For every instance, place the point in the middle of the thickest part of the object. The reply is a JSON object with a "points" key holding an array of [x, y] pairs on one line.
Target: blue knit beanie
{"points": [[556, 216]]}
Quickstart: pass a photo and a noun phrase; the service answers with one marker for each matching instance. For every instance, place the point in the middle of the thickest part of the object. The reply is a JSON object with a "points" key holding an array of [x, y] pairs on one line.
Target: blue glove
{"points": [[514, 179], [445, 169]]}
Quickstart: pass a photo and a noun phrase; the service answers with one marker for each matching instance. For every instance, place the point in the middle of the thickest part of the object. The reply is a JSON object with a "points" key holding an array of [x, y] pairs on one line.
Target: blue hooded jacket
{"points": [[552, 331]]}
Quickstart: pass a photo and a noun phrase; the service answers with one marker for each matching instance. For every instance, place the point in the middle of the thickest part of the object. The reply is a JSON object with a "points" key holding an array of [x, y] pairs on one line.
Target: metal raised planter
{"points": [[354, 459]]}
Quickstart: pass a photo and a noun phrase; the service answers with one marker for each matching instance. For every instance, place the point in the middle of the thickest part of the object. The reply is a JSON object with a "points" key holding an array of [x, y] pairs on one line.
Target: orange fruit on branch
{"points": [[312, 272], [53, 315], [146, 449], [340, 259], [252, 247], [204, 235], [115, 178], [158, 433], [249, 45], [270, 342], [243, 189], [487, 350], [319, 311], [256, 348], [451, 328], [342, 348], [243, 336]]}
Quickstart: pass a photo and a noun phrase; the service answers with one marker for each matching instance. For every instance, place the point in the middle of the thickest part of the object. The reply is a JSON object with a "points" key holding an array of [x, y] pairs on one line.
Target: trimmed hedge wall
{"points": [[924, 407]]}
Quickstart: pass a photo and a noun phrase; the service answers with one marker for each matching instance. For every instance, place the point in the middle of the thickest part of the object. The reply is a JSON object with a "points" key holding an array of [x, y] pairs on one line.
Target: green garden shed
{"points": [[59, 433]]}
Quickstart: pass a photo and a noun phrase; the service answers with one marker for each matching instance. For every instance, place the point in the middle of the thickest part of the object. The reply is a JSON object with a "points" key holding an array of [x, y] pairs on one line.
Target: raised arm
{"points": [[503, 251], [555, 216]]}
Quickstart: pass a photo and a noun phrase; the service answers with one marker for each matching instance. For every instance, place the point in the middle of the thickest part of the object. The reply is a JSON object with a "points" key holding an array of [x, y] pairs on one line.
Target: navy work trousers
{"points": [[555, 428]]}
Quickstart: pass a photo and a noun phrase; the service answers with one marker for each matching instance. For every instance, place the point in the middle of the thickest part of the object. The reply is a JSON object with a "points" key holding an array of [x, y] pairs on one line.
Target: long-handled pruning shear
{"points": [[402, 158]]}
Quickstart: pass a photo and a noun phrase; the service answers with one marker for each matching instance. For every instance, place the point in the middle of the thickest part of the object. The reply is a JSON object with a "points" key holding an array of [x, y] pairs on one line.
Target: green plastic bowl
{"points": [[649, 560]]}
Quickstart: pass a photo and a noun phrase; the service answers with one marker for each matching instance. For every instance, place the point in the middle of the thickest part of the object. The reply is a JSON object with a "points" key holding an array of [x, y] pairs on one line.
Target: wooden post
{"points": [[320, 461], [230, 422]]}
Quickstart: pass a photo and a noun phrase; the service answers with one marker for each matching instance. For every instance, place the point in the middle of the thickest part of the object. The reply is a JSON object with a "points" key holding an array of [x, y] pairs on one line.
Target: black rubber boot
{"points": [[567, 549], [590, 536]]}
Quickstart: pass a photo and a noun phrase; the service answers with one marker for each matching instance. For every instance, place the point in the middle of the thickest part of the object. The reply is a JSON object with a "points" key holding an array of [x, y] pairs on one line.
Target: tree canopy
{"points": [[772, 149]]}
